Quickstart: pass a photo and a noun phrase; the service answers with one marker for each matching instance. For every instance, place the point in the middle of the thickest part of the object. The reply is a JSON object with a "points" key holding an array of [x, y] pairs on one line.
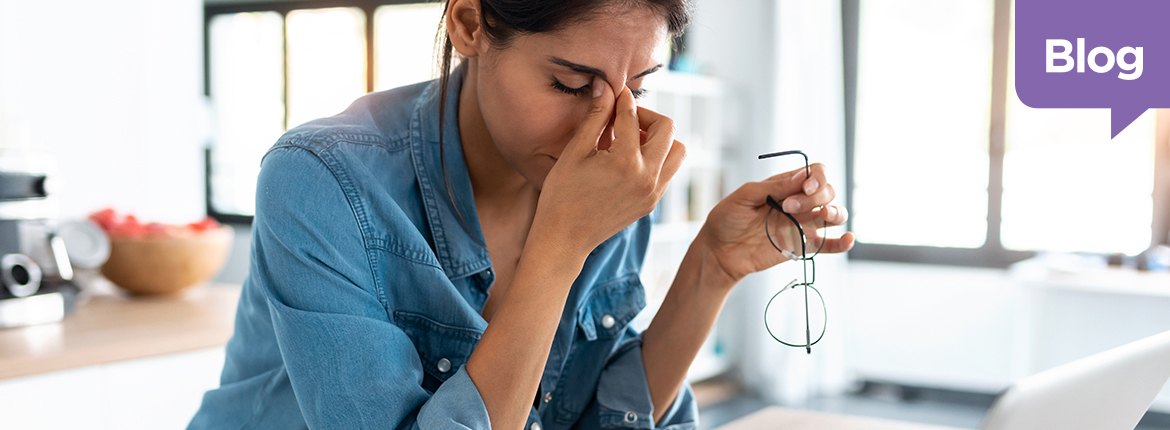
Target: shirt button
{"points": [[607, 321], [631, 417], [485, 274], [534, 426], [547, 397], [444, 365]]}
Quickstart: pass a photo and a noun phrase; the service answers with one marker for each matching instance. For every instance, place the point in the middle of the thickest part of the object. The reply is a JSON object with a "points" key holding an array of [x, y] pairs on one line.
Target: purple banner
{"points": [[1094, 54]]}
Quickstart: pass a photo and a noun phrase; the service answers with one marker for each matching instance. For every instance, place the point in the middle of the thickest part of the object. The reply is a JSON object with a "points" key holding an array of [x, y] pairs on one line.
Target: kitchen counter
{"points": [[112, 326], [774, 417]]}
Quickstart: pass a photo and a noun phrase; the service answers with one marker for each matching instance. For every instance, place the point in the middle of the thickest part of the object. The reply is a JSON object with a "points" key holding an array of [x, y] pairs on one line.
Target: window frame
{"points": [[211, 9]]}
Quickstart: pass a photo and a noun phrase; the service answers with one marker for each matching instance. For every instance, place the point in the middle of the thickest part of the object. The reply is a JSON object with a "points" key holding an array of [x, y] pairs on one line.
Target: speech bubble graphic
{"points": [[1094, 54]]}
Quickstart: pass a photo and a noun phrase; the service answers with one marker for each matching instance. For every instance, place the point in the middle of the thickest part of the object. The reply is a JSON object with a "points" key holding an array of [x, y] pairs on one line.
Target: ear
{"points": [[463, 27]]}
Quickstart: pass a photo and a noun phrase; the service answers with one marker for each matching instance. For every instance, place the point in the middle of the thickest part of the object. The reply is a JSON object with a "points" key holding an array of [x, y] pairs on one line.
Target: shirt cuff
{"points": [[623, 394], [457, 404]]}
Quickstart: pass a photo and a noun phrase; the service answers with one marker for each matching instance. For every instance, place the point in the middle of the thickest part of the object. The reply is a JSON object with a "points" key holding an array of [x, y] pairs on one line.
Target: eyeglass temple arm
{"points": [[807, 171]]}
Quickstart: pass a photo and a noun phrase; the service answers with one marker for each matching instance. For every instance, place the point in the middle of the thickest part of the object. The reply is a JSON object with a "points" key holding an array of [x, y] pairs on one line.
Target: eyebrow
{"points": [[580, 68]]}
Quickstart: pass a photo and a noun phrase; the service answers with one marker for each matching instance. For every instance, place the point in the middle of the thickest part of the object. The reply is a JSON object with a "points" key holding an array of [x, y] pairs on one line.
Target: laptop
{"points": [[1108, 391]]}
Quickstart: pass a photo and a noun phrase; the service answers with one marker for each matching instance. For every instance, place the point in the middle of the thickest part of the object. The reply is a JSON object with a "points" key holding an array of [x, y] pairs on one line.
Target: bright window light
{"points": [[247, 86], [326, 62], [921, 143], [404, 44]]}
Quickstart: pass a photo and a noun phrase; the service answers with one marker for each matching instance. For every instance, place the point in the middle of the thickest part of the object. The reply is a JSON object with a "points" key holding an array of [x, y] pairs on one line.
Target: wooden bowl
{"points": [[165, 265]]}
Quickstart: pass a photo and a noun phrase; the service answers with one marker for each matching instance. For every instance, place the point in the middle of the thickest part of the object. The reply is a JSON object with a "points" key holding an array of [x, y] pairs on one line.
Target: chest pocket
{"points": [[610, 307], [600, 321], [442, 349]]}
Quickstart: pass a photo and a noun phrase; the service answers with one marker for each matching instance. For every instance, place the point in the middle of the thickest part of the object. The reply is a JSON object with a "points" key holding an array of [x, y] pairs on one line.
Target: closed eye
{"points": [[568, 90], [579, 91]]}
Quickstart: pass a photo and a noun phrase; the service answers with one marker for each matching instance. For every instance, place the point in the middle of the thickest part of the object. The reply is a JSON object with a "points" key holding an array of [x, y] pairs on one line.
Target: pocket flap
{"points": [[611, 307], [442, 348]]}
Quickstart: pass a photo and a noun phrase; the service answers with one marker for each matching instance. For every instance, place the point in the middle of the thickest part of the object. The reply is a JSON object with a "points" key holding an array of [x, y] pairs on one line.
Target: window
{"points": [[947, 166], [271, 66]]}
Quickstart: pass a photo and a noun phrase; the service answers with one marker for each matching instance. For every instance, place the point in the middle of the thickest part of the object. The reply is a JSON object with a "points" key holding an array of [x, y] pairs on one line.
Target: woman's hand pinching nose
{"points": [[612, 172]]}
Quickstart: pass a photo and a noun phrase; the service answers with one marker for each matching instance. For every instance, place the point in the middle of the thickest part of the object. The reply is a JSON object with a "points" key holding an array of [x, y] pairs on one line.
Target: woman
{"points": [[514, 191]]}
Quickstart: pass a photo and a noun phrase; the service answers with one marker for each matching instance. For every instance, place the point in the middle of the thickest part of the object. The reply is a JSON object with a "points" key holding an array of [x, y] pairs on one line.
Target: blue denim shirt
{"points": [[363, 299]]}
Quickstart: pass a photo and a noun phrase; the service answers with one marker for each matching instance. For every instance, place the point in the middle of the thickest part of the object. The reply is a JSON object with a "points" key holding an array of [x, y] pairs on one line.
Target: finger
{"points": [[836, 246], [829, 215], [625, 123], [812, 181], [798, 203], [779, 186], [659, 134], [670, 166], [596, 120]]}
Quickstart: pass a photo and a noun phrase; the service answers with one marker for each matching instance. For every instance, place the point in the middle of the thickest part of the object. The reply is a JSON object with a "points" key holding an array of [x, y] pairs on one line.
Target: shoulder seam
{"points": [[355, 207]]}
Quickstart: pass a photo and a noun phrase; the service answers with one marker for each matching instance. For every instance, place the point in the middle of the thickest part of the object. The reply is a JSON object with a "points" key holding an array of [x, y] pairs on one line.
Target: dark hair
{"points": [[504, 20]]}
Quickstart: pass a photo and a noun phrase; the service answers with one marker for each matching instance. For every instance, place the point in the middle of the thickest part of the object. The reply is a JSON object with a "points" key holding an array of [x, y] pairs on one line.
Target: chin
{"points": [[538, 174]]}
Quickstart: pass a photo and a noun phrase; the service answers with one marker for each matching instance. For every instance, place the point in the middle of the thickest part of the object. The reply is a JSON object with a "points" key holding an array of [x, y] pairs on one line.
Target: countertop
{"points": [[776, 417], [112, 326]]}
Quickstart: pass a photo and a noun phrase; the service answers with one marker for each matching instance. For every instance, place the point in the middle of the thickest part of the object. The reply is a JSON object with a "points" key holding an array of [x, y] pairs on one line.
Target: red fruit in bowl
{"points": [[117, 225], [159, 258], [105, 218], [204, 225]]}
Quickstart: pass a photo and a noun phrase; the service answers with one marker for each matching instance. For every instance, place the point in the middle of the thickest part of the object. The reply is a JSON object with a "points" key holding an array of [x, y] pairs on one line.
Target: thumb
{"points": [[596, 120]]}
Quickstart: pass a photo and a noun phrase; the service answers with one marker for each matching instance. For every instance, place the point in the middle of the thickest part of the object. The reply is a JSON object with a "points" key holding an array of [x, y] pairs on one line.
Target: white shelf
{"points": [[1104, 280]]}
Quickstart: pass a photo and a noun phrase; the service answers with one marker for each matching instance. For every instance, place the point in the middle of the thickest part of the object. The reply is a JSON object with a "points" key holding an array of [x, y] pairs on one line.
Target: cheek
{"points": [[525, 124]]}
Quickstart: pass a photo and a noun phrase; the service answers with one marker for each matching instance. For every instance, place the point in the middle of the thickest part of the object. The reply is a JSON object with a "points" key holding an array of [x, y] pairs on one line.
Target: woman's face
{"points": [[534, 93]]}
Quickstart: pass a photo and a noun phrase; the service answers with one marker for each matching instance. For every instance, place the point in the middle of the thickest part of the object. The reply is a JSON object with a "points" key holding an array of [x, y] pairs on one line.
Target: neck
{"points": [[493, 179]]}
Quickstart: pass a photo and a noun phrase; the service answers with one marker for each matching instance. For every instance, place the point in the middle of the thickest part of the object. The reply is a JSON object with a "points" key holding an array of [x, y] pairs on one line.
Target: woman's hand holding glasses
{"points": [[734, 231]]}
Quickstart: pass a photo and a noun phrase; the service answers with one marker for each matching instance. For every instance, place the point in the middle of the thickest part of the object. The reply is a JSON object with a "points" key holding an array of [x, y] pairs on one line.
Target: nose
{"points": [[618, 83]]}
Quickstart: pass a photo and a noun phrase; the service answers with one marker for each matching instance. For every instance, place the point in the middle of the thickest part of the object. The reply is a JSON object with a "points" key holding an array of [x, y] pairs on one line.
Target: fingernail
{"points": [[832, 212], [810, 186], [597, 90], [791, 205]]}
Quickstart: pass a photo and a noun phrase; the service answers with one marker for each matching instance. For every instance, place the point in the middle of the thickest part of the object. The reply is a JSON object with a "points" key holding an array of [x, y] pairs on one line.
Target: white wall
{"points": [[935, 326], [114, 90]]}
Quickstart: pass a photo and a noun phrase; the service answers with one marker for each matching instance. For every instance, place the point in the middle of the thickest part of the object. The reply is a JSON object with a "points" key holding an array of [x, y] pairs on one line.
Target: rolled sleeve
{"points": [[348, 364], [456, 405], [623, 395]]}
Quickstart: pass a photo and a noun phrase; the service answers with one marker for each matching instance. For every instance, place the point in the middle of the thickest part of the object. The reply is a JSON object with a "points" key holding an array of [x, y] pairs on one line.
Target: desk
{"points": [[792, 419], [114, 327]]}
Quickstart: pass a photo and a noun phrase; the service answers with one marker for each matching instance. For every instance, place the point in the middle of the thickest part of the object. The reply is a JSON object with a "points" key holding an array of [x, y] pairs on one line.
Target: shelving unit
{"points": [[693, 102]]}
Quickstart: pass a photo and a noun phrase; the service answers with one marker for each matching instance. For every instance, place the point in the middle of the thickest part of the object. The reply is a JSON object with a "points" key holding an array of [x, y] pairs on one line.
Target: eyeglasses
{"points": [[808, 264]]}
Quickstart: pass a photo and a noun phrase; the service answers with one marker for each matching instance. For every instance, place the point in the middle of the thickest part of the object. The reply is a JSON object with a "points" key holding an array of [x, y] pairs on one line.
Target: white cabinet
{"points": [[983, 329], [152, 393]]}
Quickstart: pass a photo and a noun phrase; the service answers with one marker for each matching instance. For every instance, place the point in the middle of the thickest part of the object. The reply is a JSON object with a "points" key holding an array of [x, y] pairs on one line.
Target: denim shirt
{"points": [[363, 299]]}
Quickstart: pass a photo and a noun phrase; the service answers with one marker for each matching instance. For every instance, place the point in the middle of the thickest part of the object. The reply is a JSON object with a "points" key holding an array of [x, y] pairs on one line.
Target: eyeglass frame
{"points": [[804, 258]]}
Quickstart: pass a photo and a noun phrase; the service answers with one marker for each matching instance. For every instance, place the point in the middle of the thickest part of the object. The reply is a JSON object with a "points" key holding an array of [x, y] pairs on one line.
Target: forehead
{"points": [[617, 40]]}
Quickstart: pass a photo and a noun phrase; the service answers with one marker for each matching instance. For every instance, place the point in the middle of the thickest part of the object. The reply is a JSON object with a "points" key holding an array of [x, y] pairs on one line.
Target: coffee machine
{"points": [[36, 276]]}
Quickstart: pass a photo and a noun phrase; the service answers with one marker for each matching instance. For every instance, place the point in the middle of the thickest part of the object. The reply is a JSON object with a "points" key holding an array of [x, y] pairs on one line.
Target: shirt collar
{"points": [[458, 238]]}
